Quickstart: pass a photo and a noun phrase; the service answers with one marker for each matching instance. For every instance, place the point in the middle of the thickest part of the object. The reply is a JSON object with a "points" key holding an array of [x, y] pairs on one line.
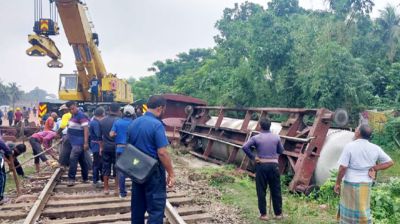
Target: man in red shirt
{"points": [[18, 116], [49, 124]]}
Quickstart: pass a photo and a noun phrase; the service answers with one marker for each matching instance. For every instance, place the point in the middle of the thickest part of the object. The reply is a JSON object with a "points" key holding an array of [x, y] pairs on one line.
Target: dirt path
{"points": [[198, 186]]}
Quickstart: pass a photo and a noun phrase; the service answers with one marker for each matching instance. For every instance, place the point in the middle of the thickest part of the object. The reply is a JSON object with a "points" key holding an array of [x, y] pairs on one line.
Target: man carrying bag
{"points": [[147, 134]]}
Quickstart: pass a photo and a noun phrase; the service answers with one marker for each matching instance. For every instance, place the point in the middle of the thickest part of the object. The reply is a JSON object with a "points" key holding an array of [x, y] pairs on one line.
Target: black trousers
{"points": [[267, 174], [78, 156], [149, 197], [95, 98], [65, 151], [108, 163], [37, 149], [97, 167], [19, 169]]}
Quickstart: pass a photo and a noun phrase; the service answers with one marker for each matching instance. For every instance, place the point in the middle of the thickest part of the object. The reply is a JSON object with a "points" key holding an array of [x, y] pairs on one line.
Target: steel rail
{"points": [[172, 215], [44, 196]]}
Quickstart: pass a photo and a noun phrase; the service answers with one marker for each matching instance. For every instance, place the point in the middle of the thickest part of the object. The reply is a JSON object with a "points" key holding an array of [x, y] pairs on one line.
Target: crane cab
{"points": [[112, 89]]}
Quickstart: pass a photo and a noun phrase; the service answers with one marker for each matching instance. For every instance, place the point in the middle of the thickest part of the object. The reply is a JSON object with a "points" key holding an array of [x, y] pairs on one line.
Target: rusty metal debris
{"points": [[303, 134]]}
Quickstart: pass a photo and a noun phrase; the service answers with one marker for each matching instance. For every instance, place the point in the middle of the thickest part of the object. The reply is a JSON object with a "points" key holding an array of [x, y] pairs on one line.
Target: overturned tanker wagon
{"points": [[311, 147]]}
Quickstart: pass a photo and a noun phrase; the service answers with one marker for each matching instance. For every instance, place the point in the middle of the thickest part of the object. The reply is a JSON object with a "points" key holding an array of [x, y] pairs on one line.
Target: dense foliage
{"points": [[389, 137], [385, 199], [291, 57]]}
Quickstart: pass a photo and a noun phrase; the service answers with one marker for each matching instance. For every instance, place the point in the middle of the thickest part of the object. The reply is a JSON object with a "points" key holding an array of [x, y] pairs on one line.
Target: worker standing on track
{"points": [[268, 147], [36, 140], [107, 151], [358, 166], [34, 110], [78, 137], [10, 117], [147, 133], [119, 131], [95, 141], [26, 112], [66, 147], [17, 116]]}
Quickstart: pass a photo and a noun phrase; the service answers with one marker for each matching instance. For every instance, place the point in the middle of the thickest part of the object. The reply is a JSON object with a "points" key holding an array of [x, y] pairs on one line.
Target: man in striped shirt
{"points": [[78, 136]]}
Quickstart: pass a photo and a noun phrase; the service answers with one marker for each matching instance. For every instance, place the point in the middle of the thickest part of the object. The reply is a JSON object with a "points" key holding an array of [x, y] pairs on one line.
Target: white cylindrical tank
{"points": [[333, 146]]}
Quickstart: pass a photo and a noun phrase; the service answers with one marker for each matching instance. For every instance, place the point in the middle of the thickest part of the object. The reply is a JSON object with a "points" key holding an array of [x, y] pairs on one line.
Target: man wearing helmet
{"points": [[119, 131]]}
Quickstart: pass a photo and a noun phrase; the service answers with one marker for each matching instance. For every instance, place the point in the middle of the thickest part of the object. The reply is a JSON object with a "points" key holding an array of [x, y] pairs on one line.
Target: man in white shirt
{"points": [[358, 166]]}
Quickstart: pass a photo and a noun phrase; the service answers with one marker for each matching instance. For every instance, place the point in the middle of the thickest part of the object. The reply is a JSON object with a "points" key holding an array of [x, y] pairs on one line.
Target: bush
{"points": [[217, 179], [389, 135], [385, 202], [326, 194]]}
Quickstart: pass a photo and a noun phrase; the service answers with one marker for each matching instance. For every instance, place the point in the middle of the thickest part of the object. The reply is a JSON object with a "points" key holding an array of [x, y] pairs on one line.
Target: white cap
{"points": [[129, 110], [63, 107]]}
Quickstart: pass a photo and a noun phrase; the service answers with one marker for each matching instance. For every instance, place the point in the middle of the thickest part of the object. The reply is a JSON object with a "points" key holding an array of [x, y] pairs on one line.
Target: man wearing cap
{"points": [[119, 131], [65, 151], [107, 150]]}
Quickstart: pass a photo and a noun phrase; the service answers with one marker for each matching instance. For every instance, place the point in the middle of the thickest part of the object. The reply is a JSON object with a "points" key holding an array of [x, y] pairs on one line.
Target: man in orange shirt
{"points": [[49, 125]]}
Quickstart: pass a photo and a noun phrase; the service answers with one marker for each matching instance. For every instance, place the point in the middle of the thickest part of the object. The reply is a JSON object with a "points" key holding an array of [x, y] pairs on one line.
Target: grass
{"points": [[28, 170], [392, 171], [242, 194]]}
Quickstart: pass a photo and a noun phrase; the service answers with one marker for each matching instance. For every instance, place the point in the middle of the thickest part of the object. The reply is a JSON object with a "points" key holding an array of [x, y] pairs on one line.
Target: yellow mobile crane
{"points": [[84, 42]]}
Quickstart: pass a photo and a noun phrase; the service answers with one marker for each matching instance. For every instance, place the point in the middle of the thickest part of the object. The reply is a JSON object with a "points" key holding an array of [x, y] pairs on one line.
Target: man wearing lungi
{"points": [[358, 166]]}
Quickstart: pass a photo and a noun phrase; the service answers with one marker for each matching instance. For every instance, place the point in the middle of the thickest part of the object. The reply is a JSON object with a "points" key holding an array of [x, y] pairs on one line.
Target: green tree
{"points": [[389, 25], [4, 96], [147, 86], [284, 7], [14, 93], [169, 70], [335, 80]]}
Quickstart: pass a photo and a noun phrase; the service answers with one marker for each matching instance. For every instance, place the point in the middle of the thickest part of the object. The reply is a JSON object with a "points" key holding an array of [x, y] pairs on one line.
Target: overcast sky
{"points": [[133, 34]]}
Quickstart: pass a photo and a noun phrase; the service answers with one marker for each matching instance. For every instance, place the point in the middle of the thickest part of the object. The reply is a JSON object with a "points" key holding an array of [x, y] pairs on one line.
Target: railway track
{"points": [[56, 203]]}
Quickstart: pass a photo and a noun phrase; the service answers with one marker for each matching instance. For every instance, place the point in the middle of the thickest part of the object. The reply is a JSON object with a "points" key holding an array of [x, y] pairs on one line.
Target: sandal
{"points": [[264, 218]]}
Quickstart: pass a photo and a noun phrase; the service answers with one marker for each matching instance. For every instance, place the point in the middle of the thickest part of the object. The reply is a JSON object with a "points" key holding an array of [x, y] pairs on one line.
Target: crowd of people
{"points": [[15, 117], [96, 143]]}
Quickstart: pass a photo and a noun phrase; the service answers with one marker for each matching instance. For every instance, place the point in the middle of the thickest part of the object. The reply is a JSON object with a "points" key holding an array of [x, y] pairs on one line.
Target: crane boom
{"points": [[88, 60]]}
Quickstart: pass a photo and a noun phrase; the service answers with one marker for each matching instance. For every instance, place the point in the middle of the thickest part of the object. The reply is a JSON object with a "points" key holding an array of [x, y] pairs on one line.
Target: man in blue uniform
{"points": [[95, 140], [94, 89], [119, 131], [148, 135]]}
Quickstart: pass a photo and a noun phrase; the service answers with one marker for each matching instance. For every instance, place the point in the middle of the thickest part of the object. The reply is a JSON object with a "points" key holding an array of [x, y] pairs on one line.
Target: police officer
{"points": [[147, 133]]}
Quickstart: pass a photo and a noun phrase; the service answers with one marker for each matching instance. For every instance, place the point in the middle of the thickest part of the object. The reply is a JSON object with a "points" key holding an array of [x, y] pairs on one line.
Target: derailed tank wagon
{"points": [[213, 135]]}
